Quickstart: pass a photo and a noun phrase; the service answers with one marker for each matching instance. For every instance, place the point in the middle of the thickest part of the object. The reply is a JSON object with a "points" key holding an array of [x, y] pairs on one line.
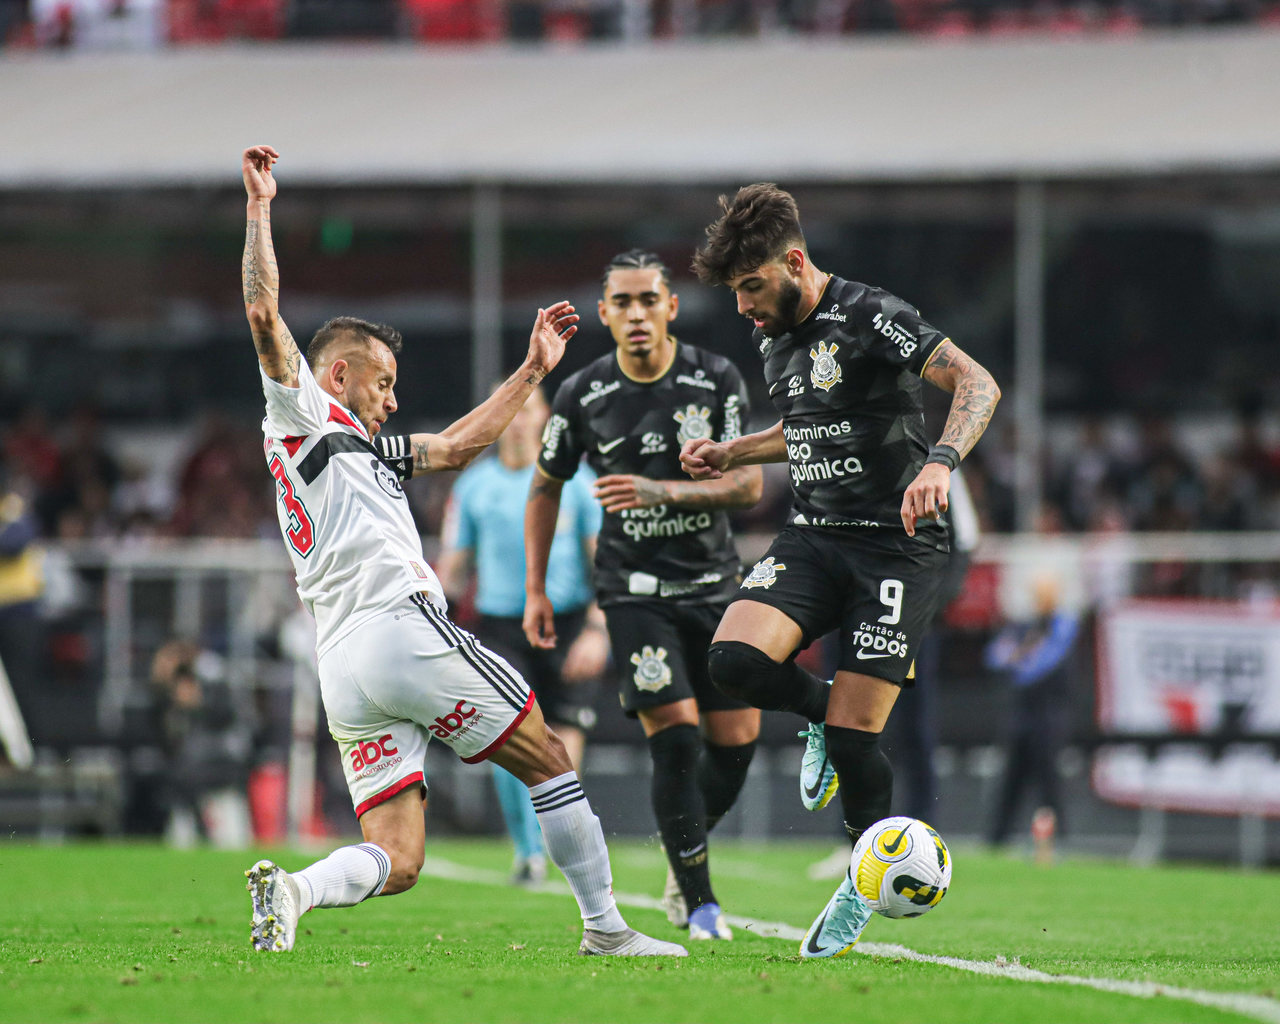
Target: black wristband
{"points": [[943, 455]]}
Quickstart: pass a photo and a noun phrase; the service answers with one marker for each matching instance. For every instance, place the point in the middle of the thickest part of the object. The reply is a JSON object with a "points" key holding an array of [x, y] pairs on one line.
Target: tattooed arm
{"points": [[737, 488], [277, 351], [975, 395], [460, 442]]}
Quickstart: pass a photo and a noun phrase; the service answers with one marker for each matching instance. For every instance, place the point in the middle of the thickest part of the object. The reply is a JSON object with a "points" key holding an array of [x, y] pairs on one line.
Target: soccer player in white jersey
{"points": [[394, 670]]}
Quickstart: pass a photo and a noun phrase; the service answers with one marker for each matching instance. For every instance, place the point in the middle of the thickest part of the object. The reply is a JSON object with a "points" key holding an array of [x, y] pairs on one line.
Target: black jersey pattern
{"points": [[846, 383], [624, 426]]}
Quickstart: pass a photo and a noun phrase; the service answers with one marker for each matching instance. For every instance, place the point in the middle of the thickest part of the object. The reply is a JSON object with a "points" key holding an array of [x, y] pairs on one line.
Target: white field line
{"points": [[1257, 1007]]}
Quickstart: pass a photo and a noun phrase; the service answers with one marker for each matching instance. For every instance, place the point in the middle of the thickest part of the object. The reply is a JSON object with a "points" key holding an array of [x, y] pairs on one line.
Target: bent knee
{"points": [[404, 873], [732, 665]]}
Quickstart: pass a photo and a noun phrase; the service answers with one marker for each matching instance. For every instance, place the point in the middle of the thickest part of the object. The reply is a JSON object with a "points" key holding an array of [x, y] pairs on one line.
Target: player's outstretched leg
{"points": [[840, 924], [575, 844], [276, 903]]}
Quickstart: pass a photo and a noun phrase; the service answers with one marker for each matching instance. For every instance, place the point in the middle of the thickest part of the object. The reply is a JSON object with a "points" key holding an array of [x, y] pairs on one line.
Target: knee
{"points": [[740, 671], [405, 869]]}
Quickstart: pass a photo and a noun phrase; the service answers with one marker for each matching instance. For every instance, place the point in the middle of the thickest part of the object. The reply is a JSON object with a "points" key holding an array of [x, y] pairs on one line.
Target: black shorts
{"points": [[660, 654], [562, 703], [880, 589]]}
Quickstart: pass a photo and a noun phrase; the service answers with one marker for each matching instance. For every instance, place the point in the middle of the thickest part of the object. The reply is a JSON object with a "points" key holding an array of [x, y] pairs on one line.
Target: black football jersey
{"points": [[625, 426], [846, 383]]}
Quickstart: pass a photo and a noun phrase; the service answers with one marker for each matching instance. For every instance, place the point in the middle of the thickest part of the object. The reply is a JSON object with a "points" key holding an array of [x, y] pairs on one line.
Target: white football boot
{"points": [[627, 942], [708, 923], [275, 907], [673, 901]]}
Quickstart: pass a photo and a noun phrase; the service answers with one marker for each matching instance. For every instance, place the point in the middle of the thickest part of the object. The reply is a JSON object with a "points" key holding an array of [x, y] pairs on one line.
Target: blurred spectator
{"points": [[206, 747], [1035, 656], [222, 488], [21, 583], [1166, 493]]}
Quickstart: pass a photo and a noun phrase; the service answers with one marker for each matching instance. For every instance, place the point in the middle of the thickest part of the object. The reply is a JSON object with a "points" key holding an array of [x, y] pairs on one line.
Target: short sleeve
{"points": [[896, 332], [561, 453], [294, 411]]}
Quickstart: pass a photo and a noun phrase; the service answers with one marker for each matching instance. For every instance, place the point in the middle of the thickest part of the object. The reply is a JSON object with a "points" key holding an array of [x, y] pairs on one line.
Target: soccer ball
{"points": [[901, 867]]}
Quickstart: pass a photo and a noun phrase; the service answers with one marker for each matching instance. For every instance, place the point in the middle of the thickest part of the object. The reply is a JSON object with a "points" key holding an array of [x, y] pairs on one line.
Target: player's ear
{"points": [[338, 374], [600, 308], [796, 260], [673, 307]]}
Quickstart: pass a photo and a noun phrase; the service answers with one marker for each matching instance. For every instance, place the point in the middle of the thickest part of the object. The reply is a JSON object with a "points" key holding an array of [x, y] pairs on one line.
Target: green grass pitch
{"points": [[137, 933]]}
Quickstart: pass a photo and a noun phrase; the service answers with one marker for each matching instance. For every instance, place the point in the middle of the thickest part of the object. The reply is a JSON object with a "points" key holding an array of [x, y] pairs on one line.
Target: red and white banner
{"points": [[1191, 668]]}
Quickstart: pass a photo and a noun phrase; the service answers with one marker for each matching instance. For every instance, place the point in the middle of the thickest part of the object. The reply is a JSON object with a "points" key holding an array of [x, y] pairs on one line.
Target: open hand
{"points": [[555, 326]]}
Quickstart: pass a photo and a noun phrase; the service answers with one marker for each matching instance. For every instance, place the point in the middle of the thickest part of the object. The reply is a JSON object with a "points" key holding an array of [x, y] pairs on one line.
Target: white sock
{"points": [[344, 878], [575, 844]]}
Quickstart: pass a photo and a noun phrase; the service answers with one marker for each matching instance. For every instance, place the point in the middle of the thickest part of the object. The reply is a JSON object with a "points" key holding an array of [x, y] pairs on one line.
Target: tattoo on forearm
{"points": [[249, 266], [975, 398], [421, 457], [733, 490]]}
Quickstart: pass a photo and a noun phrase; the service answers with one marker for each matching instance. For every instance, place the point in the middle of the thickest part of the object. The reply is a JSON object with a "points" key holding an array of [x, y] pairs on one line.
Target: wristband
{"points": [[943, 455]]}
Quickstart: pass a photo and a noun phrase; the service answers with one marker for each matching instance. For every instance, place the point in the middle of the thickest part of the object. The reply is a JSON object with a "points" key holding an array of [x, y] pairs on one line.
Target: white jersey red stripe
{"points": [[350, 534]]}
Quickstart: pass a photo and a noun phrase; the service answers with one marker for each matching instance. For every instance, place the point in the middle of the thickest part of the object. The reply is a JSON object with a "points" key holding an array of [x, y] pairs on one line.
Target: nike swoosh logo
{"points": [[896, 845], [817, 930], [696, 850], [812, 791], [864, 656], [604, 449], [775, 387]]}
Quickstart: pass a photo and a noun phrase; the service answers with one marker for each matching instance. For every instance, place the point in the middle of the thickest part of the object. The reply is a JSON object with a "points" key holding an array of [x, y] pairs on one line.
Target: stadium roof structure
{"points": [[791, 109]]}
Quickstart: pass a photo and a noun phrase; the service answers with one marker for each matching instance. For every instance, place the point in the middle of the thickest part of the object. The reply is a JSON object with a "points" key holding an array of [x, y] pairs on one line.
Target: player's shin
{"points": [[575, 844], [721, 773], [679, 809], [344, 878], [866, 777]]}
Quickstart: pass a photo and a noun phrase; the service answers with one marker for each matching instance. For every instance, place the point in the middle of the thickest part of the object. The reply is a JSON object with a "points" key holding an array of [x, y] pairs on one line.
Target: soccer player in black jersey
{"points": [[862, 550], [666, 567]]}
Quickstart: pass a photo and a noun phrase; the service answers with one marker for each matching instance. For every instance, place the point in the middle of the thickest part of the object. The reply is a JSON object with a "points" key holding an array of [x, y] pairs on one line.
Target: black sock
{"points": [[866, 777], [721, 773], [682, 815]]}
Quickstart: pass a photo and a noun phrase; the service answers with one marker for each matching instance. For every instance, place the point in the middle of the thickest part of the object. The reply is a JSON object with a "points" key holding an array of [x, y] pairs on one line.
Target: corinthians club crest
{"points": [[695, 422], [764, 574], [652, 671], [826, 371]]}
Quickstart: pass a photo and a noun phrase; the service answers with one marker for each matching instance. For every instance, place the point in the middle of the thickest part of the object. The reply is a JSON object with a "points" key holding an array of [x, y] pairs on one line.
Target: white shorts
{"points": [[404, 676]]}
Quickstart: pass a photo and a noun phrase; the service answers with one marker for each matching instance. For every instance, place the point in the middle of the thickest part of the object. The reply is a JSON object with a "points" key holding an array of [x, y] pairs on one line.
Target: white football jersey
{"points": [[342, 510]]}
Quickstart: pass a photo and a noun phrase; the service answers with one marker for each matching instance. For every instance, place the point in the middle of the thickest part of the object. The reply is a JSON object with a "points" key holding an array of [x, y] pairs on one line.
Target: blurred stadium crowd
{"points": [[115, 24]]}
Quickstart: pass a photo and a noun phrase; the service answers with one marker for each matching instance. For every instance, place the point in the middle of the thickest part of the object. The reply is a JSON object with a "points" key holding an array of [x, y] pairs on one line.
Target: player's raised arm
{"points": [[459, 443], [277, 351], [974, 397]]}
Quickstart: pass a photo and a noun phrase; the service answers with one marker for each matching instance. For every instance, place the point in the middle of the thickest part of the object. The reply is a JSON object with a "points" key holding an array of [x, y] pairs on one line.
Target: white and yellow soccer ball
{"points": [[901, 867]]}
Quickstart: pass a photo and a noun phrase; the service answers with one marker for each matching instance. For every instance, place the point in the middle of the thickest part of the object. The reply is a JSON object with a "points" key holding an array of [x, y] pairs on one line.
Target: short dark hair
{"points": [[760, 223], [636, 259], [351, 328]]}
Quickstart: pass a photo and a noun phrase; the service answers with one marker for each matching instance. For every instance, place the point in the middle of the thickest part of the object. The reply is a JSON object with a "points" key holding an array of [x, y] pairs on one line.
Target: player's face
{"points": [[369, 384], [637, 306], [769, 296]]}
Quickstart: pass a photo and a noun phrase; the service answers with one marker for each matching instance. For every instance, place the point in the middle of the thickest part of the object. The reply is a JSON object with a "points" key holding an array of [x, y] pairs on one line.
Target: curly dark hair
{"points": [[351, 328], [760, 223]]}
